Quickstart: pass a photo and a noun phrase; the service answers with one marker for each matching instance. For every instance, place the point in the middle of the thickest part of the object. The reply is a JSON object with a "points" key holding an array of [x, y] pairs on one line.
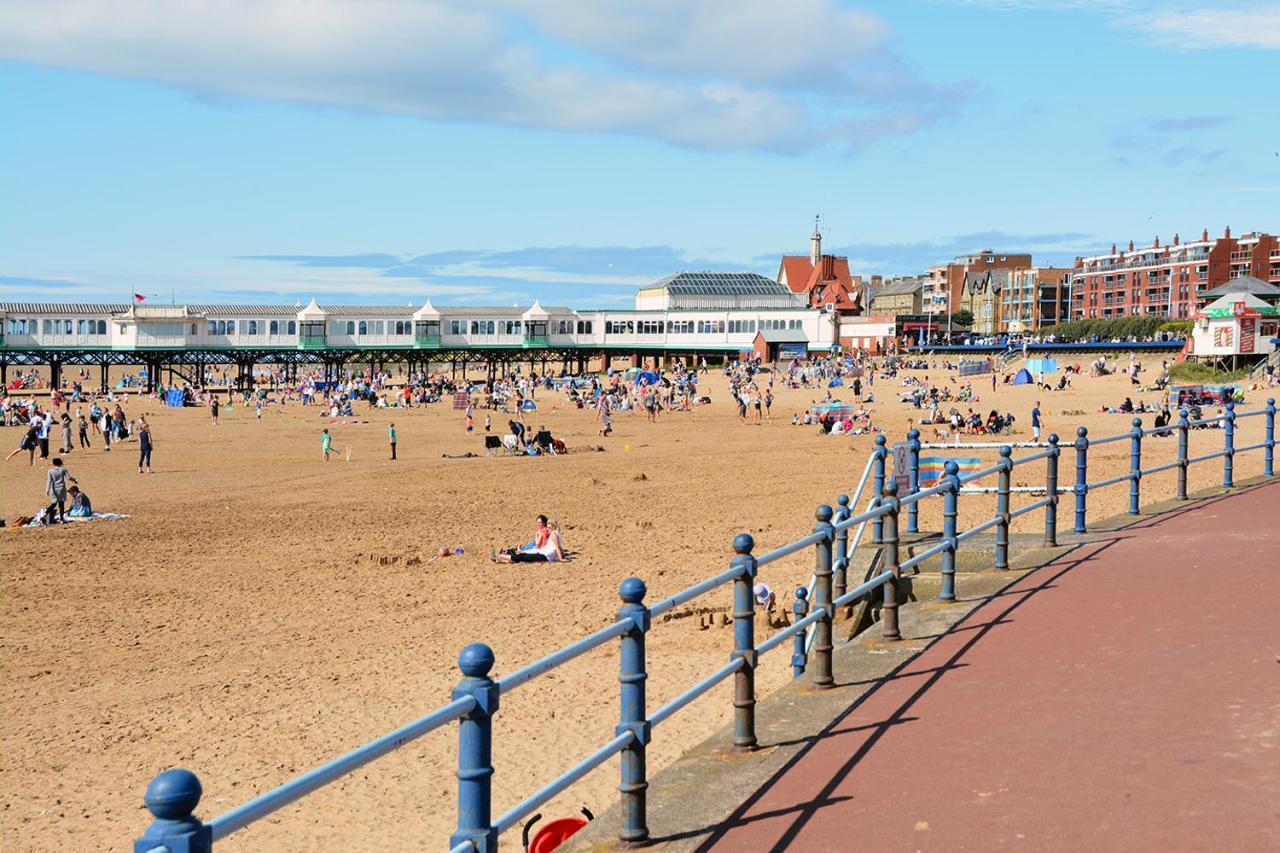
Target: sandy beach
{"points": [[261, 611]]}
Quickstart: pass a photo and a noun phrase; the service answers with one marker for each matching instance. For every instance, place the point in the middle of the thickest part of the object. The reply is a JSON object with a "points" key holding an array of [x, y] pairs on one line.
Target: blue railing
{"points": [[173, 795]]}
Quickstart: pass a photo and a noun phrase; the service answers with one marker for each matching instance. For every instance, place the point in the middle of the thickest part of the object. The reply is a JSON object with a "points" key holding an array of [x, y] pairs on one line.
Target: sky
{"points": [[490, 152]]}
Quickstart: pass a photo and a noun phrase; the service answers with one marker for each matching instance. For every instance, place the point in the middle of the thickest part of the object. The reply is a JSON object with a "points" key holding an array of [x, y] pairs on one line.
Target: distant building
{"points": [[980, 294], [899, 296], [1034, 299], [1168, 280], [822, 280], [722, 290], [944, 283]]}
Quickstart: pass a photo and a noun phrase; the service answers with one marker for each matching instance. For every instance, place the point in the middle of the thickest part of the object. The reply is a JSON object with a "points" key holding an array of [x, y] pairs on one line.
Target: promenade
{"points": [[1124, 697]]}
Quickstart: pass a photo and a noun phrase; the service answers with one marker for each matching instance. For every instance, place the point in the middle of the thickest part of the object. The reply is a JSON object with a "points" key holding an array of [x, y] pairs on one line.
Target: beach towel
{"points": [[97, 516], [933, 467]]}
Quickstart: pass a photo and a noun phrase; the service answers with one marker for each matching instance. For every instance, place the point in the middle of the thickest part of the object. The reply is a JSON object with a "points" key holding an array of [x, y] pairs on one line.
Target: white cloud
{"points": [[1256, 27], [703, 73]]}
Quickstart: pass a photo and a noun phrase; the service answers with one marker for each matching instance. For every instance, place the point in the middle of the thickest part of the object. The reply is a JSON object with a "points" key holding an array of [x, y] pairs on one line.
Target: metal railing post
{"points": [[913, 479], [799, 658], [475, 751], [1135, 466], [950, 508], [1082, 476], [822, 646], [889, 618], [172, 798], [877, 484], [840, 556], [1184, 438], [744, 643], [1229, 448], [1002, 508], [1051, 489], [632, 676], [1269, 452]]}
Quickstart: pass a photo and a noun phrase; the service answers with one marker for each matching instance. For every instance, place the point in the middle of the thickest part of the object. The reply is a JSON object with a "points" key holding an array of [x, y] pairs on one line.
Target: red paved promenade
{"points": [[1126, 697]]}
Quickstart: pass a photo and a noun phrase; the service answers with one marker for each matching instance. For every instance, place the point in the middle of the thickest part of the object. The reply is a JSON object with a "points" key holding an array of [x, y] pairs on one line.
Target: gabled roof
{"points": [[1244, 284], [797, 269], [1239, 305]]}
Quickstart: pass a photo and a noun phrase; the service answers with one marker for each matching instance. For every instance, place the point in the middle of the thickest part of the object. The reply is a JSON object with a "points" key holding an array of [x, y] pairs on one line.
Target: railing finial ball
{"points": [[802, 592], [880, 440], [1053, 438], [951, 468], [1137, 422], [173, 794], [743, 543], [475, 660], [1082, 431], [1006, 451], [823, 512], [843, 500], [632, 590]]}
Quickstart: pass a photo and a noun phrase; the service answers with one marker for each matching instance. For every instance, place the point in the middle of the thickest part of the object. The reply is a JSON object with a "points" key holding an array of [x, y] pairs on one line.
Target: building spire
{"points": [[815, 242]]}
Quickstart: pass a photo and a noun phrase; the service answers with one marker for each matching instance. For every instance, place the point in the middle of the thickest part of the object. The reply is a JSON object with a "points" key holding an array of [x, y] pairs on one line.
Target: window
{"points": [[293, 327], [194, 328], [363, 328], [475, 327], [231, 327], [274, 327], [490, 327], [253, 328], [102, 327], [379, 327], [48, 327], [584, 327], [80, 327], [455, 327]]}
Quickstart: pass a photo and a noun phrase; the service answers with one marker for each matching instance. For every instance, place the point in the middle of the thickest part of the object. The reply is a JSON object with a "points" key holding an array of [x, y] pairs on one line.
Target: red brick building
{"points": [[822, 279], [1167, 280]]}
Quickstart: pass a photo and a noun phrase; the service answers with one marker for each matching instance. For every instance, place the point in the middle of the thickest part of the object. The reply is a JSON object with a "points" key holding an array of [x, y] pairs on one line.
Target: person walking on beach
{"points": [[144, 445], [326, 443], [44, 424], [471, 418], [213, 409], [1035, 422], [29, 443], [84, 431], [55, 487], [391, 434], [67, 446]]}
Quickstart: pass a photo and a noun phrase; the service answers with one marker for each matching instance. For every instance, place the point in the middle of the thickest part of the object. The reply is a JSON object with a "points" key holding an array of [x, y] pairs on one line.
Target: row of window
{"points": [[24, 326]]}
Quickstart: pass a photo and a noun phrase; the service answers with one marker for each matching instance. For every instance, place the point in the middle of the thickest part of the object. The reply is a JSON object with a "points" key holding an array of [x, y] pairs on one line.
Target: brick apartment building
{"points": [[1168, 280], [1035, 298]]}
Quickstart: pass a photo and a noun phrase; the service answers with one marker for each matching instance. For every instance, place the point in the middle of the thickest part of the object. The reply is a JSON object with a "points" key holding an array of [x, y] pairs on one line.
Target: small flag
{"points": [[138, 297]]}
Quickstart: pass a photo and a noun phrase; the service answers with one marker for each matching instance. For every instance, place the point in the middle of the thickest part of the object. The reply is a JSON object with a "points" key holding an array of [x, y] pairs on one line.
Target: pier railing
{"points": [[173, 795]]}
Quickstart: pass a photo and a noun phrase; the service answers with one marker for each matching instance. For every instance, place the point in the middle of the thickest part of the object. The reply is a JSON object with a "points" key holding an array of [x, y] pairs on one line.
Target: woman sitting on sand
{"points": [[547, 547]]}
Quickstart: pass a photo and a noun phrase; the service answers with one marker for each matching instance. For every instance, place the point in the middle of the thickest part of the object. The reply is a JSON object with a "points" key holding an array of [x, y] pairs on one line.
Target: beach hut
{"points": [[1237, 326]]}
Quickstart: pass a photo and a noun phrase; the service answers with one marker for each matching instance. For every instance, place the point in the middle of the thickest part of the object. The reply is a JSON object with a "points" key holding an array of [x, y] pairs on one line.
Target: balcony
{"points": [[312, 341]]}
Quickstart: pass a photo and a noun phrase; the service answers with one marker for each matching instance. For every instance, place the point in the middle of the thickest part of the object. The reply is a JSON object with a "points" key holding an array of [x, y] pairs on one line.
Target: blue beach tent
{"points": [[1023, 377]]}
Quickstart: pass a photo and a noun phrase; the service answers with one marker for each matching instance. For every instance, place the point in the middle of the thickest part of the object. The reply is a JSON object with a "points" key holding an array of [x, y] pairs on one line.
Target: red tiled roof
{"points": [[798, 270]]}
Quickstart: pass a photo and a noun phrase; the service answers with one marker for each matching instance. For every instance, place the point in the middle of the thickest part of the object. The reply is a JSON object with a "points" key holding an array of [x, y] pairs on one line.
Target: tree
{"points": [[963, 317]]}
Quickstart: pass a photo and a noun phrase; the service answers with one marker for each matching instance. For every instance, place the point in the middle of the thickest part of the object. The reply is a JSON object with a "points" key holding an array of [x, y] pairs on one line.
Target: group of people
{"points": [[547, 546]]}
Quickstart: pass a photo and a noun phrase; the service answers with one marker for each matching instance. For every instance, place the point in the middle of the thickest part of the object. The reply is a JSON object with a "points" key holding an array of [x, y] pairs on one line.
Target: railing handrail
{"points": [[173, 795]]}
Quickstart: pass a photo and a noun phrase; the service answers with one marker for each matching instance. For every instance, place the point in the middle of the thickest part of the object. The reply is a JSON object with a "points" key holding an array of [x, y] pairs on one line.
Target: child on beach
{"points": [[326, 444], [391, 435], [471, 418]]}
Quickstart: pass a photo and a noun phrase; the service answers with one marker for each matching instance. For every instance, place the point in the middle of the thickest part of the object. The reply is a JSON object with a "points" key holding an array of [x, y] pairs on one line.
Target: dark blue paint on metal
{"points": [[744, 644], [840, 556], [631, 679], [877, 484], [172, 798], [822, 632], [1135, 466], [1082, 476], [950, 508], [1269, 452], [1229, 439], [1003, 485], [475, 751], [799, 659], [1051, 491], [1184, 435], [889, 609], [913, 479]]}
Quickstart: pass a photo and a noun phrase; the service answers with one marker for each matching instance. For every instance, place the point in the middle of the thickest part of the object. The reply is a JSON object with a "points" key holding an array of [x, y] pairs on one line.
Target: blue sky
{"points": [[495, 150]]}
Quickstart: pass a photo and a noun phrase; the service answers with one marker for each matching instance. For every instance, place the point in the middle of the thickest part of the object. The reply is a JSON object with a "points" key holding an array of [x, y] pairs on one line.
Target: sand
{"points": [[262, 611]]}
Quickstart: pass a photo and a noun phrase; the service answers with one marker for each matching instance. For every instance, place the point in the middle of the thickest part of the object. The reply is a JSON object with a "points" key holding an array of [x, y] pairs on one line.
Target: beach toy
{"points": [[457, 551], [626, 448], [444, 551]]}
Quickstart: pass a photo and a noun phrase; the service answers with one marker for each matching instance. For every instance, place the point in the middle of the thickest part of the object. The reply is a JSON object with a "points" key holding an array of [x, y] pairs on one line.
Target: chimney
{"points": [[1156, 244], [1228, 233], [828, 267], [1130, 245], [1204, 236], [1113, 248], [1177, 241]]}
